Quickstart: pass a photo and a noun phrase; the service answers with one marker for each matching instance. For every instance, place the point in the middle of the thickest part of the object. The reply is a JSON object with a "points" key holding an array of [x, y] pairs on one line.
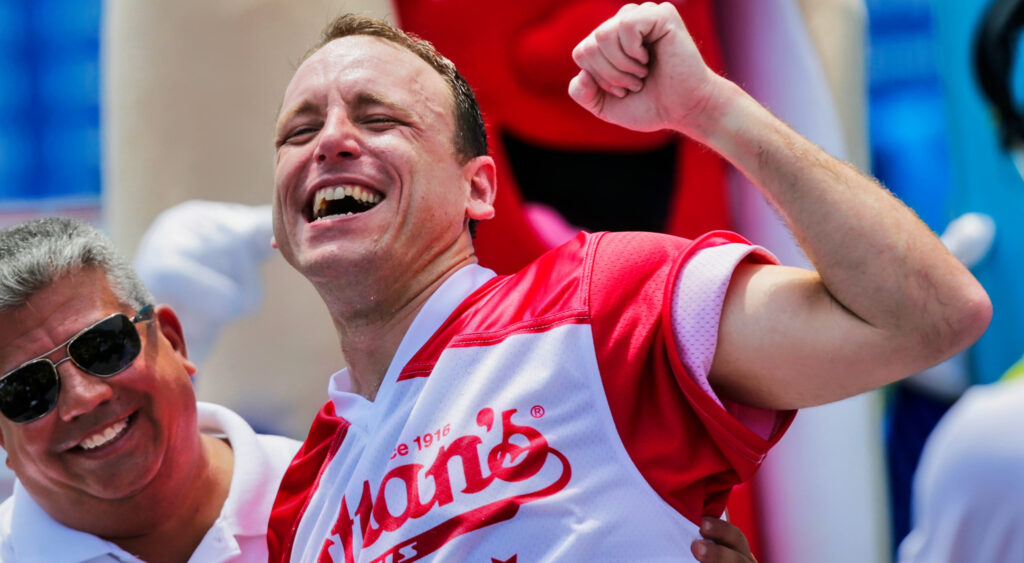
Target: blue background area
{"points": [[985, 181], [908, 127], [934, 143], [49, 101]]}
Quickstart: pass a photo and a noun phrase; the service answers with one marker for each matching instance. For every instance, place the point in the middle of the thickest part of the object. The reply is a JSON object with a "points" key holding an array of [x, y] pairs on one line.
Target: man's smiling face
{"points": [[108, 440], [366, 175]]}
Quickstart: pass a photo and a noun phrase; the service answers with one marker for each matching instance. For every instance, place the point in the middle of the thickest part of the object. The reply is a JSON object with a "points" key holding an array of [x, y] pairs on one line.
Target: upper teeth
{"points": [[104, 436], [356, 192]]}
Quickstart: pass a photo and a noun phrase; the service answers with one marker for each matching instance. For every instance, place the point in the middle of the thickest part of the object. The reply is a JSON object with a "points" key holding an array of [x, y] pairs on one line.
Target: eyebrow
{"points": [[362, 100], [372, 99], [305, 106]]}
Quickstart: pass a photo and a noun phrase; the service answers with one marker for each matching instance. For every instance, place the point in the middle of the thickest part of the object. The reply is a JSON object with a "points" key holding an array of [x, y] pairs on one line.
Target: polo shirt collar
{"points": [[249, 498]]}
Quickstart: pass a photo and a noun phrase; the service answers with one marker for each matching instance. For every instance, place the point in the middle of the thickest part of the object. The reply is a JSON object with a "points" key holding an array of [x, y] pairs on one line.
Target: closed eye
{"points": [[298, 135], [382, 122]]}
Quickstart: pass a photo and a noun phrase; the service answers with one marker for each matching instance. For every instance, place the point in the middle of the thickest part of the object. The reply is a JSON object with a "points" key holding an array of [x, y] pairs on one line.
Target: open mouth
{"points": [[337, 201]]}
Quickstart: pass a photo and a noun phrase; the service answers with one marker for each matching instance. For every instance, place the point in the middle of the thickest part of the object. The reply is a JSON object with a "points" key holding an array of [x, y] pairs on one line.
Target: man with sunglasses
{"points": [[114, 458]]}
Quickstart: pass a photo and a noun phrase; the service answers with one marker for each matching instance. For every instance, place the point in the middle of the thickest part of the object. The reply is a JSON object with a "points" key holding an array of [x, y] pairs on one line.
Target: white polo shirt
{"points": [[30, 535]]}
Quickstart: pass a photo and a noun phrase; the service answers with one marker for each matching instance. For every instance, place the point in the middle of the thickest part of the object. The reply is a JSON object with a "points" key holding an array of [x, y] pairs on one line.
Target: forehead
{"points": [[360, 64], [54, 314]]}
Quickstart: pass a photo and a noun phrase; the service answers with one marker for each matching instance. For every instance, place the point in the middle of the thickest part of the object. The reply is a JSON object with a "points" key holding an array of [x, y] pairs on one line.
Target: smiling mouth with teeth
{"points": [[343, 200], [105, 436]]}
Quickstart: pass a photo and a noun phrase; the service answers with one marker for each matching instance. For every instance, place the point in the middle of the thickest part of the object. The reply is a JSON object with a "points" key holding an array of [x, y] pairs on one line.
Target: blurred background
{"points": [[49, 98], [114, 111]]}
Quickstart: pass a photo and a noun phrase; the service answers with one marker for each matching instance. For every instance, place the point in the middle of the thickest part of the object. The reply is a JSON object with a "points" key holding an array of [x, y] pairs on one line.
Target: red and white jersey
{"points": [[544, 416]]}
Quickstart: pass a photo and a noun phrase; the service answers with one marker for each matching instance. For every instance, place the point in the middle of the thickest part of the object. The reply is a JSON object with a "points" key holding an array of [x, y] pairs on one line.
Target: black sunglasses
{"points": [[106, 348]]}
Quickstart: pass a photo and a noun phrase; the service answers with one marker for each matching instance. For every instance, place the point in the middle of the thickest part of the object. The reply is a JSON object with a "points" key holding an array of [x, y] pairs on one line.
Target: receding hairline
{"points": [[316, 49], [312, 52], [303, 104], [470, 135]]}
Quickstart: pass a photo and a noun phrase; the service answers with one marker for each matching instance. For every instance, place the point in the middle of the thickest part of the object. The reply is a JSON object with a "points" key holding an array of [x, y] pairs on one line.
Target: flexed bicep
{"points": [[785, 342]]}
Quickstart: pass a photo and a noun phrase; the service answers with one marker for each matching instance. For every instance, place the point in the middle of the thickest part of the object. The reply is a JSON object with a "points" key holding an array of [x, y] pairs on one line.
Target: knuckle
{"points": [[622, 79], [605, 32], [630, 29], [579, 53]]}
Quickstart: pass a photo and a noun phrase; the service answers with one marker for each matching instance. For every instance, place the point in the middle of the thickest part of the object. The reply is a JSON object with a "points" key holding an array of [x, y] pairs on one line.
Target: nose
{"points": [[80, 392], [340, 139]]}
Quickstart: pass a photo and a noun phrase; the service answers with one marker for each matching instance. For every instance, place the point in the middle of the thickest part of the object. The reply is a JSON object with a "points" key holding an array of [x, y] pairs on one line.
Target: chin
{"points": [[131, 482], [329, 265]]}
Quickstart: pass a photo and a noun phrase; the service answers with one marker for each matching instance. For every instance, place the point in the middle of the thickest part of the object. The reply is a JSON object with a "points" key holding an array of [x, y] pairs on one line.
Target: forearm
{"points": [[887, 299], [874, 256]]}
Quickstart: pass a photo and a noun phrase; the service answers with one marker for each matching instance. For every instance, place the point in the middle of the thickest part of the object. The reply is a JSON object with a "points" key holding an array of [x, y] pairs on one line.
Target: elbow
{"points": [[977, 315], [966, 321], [943, 331]]}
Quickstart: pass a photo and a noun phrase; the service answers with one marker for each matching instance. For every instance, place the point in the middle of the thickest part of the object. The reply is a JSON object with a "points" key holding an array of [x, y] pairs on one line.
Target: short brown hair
{"points": [[470, 136]]}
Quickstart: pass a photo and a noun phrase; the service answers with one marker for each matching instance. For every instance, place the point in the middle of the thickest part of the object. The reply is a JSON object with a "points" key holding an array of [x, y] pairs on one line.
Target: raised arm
{"points": [[887, 300]]}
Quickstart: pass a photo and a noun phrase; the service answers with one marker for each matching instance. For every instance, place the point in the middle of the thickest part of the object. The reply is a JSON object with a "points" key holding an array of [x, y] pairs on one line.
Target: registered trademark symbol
{"points": [[537, 411]]}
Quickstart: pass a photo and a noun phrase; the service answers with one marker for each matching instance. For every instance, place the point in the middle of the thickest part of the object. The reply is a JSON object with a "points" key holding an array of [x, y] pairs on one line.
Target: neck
{"points": [[199, 505], [370, 332]]}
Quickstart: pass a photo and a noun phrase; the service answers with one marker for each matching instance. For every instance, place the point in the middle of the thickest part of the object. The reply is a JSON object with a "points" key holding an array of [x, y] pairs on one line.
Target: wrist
{"points": [[713, 113], [726, 116]]}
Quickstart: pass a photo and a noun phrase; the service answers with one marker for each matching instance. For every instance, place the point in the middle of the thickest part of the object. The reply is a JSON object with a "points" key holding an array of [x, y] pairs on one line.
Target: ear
{"points": [[170, 328], [481, 175]]}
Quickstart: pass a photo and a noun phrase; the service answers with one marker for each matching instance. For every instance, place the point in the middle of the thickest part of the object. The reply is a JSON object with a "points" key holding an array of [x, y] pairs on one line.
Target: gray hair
{"points": [[35, 254]]}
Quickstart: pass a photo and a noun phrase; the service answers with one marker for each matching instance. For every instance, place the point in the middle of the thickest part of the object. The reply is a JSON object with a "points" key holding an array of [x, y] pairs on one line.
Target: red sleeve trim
{"points": [[301, 480], [745, 441], [687, 447]]}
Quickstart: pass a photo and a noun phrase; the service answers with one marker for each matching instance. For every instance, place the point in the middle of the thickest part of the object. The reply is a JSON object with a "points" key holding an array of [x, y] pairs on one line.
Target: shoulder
{"points": [[977, 423], [219, 420], [638, 254], [974, 454], [612, 249], [968, 497], [603, 262], [279, 447]]}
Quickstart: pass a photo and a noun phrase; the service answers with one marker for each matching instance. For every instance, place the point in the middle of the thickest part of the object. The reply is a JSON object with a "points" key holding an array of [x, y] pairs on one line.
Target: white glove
{"points": [[204, 259], [969, 237]]}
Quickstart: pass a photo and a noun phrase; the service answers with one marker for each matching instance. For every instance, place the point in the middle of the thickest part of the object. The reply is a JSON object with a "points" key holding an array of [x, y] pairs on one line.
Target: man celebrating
{"points": [[596, 404], [99, 418]]}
